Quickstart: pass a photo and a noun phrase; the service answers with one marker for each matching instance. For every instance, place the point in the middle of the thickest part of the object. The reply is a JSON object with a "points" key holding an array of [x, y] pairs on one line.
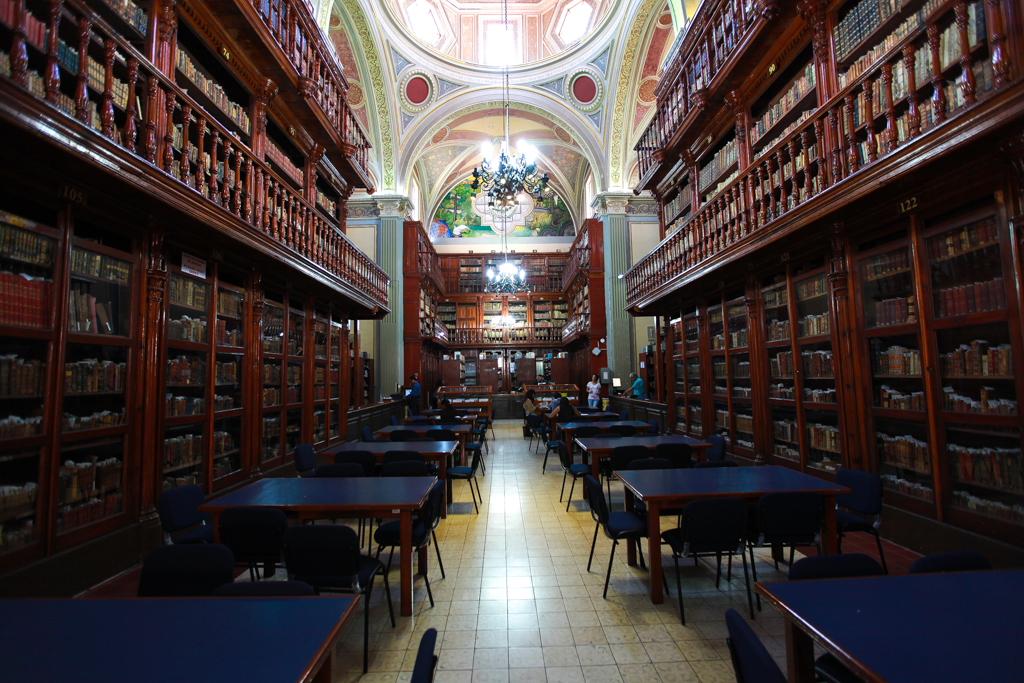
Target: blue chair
{"points": [[653, 431], [389, 534], [551, 444], [622, 430], [255, 537], [569, 469], [617, 526], [717, 450], [367, 434], [402, 435], [305, 460], [442, 435], [426, 660], [342, 470], [469, 474], [711, 464], [954, 561], [750, 659], [535, 423], [327, 557], [364, 459], [394, 421], [710, 526], [179, 510], [620, 459], [404, 468], [265, 589], [624, 415], [399, 456], [681, 455], [786, 519], [183, 571], [866, 499]]}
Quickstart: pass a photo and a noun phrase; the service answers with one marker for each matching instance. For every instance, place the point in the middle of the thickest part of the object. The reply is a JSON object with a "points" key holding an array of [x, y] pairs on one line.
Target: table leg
{"points": [[405, 562], [654, 550], [831, 541], [799, 655], [462, 449], [326, 672], [442, 470], [630, 543]]}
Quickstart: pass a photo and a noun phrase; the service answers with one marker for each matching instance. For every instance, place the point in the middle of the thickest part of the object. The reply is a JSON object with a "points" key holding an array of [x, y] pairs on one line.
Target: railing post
{"points": [[968, 86], [168, 158], [183, 165], [19, 53], [107, 108], [52, 76], [82, 77], [938, 82]]}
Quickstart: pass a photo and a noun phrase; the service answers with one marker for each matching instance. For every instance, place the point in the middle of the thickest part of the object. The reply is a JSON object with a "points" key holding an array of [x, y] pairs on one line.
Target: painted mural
{"points": [[461, 216]]}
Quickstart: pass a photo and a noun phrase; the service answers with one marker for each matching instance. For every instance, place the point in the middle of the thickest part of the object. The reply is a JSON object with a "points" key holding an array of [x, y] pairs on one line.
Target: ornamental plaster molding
{"points": [[394, 206]]}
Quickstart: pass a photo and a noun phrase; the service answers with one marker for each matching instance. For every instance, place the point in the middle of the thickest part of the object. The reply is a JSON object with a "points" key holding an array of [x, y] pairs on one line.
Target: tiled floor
{"points": [[519, 605]]}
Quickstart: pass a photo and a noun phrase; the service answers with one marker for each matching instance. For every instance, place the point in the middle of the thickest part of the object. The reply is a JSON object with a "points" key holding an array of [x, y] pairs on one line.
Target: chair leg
{"points": [[753, 570], [679, 589], [728, 576], [430, 595], [792, 554], [718, 572], [437, 549], [471, 493], [252, 572], [387, 593], [881, 555], [593, 544], [479, 493], [571, 489], [640, 553], [839, 543], [562, 492], [544, 465], [366, 627], [608, 577], [390, 556], [746, 581]]}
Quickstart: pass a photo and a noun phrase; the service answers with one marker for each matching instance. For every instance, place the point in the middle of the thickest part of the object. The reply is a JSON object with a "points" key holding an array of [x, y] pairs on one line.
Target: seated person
{"points": [[564, 411], [448, 411], [529, 406]]}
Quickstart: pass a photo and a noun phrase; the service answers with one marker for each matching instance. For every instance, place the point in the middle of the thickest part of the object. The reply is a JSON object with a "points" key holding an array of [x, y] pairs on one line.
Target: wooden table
{"points": [[569, 428], [339, 497], [461, 431], [172, 639], [437, 411], [439, 452], [583, 417], [596, 448], [436, 420], [661, 489], [961, 626]]}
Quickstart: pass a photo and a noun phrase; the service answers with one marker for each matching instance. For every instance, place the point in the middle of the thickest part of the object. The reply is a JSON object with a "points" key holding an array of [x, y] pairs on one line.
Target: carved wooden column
{"points": [[345, 389], [153, 388], [310, 172], [669, 374], [739, 110], [997, 41], [166, 30], [843, 339], [51, 76], [343, 208], [19, 54], [758, 372], [815, 14], [82, 77], [255, 372], [261, 98]]}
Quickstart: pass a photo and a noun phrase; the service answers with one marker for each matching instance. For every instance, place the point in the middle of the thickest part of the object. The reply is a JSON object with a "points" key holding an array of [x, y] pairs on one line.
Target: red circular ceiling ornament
{"points": [[417, 90], [584, 89]]}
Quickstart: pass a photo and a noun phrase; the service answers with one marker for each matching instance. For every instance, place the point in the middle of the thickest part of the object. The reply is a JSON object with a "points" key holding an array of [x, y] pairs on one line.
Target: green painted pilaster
{"points": [[612, 210], [390, 356]]}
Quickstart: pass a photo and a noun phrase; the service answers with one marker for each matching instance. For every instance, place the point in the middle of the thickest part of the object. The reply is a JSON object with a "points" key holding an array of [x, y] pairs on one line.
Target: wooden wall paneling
{"points": [[254, 342]]}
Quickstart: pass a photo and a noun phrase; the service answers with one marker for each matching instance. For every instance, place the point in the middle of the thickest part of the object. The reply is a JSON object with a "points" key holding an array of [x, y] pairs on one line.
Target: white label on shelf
{"points": [[191, 265]]}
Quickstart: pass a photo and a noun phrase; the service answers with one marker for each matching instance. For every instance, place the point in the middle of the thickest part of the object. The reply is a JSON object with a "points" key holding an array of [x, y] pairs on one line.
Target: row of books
{"points": [[741, 369], [187, 329], [717, 342], [907, 487], [275, 154], [272, 373], [718, 370], [221, 403], [992, 508], [226, 337], [988, 465], [742, 392], [885, 265], [823, 437], [89, 315], [14, 426], [178, 480], [811, 288], [970, 237], [786, 430], [875, 53], [226, 373], [24, 300], [737, 339], [812, 150], [293, 394], [787, 452], [100, 267], [817, 364], [782, 365], [803, 84], [294, 374], [105, 418], [131, 13], [35, 30], [775, 297], [819, 395], [186, 370], [859, 22], [744, 423], [271, 396], [778, 330], [977, 359], [781, 391], [974, 297], [74, 516], [230, 303], [897, 361], [119, 89], [722, 419], [330, 205], [988, 403], [179, 406], [187, 292], [91, 376], [895, 311], [723, 159], [898, 400], [182, 450], [213, 90], [222, 442], [22, 245], [813, 325], [903, 451], [21, 377]]}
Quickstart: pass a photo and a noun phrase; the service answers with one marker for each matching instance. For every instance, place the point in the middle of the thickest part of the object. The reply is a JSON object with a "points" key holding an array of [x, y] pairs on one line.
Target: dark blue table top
{"points": [[721, 481], [376, 447], [602, 424], [172, 640], [963, 626], [420, 428], [328, 493], [599, 444]]}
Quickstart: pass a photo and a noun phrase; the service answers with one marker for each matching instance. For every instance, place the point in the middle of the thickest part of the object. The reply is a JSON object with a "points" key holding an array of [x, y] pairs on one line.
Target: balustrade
{"points": [[483, 336], [578, 259]]}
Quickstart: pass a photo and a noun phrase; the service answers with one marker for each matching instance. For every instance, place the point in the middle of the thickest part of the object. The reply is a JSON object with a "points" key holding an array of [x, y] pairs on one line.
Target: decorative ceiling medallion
{"points": [[416, 90], [355, 95], [586, 89], [440, 135], [646, 91], [556, 86], [562, 135], [665, 20], [400, 62]]}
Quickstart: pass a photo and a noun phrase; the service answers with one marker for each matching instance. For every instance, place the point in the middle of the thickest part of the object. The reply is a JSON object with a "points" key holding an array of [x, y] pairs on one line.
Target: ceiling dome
{"points": [[474, 32]]}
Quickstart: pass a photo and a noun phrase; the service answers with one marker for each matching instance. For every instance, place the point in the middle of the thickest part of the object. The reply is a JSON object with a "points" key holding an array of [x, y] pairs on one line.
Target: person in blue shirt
{"points": [[638, 389], [413, 399]]}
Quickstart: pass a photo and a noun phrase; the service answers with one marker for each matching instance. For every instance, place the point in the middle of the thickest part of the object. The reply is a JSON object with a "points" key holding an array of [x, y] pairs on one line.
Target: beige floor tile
{"points": [[564, 674], [525, 657], [560, 657]]}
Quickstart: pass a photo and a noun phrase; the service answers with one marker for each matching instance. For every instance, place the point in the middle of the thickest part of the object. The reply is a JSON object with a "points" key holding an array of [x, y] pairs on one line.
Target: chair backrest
{"points": [[442, 435], [423, 668], [624, 415], [715, 463], [186, 570], [598, 505], [252, 532], [179, 508], [534, 422], [623, 455], [789, 518], [587, 432], [431, 514], [267, 589], [305, 458], [367, 434], [954, 561], [419, 439], [650, 464], [613, 418], [845, 566], [400, 456], [474, 461], [717, 450], [394, 421], [419, 418], [714, 525], [342, 470], [867, 491], [402, 434], [322, 554], [404, 468], [564, 455], [364, 459], [680, 455], [654, 427], [750, 658], [624, 430]]}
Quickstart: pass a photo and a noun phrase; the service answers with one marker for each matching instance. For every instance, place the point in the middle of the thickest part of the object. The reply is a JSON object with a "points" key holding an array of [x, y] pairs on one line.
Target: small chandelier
{"points": [[506, 321], [506, 279]]}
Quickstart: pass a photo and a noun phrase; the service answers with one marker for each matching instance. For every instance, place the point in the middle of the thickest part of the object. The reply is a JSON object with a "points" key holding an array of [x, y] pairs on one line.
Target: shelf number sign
{"points": [[73, 195], [908, 205]]}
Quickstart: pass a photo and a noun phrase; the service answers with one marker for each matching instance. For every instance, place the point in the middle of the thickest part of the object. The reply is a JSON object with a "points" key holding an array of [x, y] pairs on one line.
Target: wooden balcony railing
{"points": [[578, 259], [838, 142], [173, 133], [576, 325], [320, 76], [489, 336], [428, 262]]}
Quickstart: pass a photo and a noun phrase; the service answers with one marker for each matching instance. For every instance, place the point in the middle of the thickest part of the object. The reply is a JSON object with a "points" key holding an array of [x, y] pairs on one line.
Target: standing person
{"points": [[413, 399], [594, 392], [638, 389]]}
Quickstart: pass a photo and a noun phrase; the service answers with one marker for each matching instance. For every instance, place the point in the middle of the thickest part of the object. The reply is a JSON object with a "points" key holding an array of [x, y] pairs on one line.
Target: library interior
{"points": [[333, 281]]}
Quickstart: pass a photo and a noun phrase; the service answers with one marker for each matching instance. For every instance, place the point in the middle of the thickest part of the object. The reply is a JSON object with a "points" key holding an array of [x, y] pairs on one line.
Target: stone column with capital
{"points": [[611, 208], [393, 209]]}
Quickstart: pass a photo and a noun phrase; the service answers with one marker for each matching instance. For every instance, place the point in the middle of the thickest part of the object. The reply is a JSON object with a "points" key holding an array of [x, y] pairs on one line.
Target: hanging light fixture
{"points": [[506, 278]]}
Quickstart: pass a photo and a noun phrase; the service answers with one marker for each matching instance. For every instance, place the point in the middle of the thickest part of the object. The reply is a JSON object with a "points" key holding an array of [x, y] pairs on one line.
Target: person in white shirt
{"points": [[594, 392]]}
